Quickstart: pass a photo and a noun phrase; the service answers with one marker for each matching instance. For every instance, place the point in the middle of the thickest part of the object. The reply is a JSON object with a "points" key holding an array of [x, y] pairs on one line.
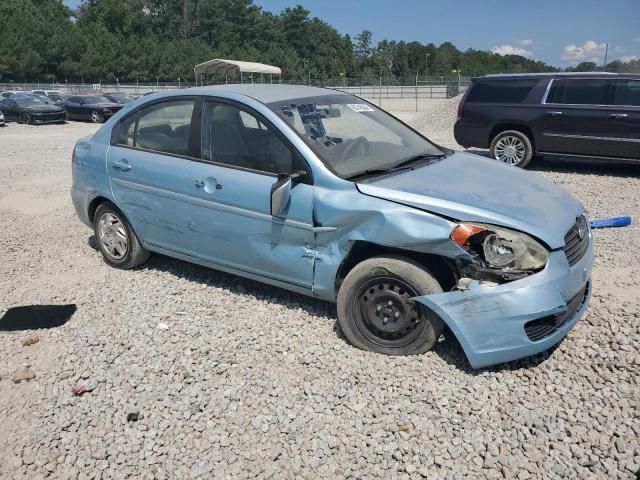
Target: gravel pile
{"points": [[203, 374]]}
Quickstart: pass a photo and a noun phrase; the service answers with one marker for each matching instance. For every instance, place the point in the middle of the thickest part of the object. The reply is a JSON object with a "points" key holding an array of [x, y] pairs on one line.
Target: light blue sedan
{"points": [[325, 194]]}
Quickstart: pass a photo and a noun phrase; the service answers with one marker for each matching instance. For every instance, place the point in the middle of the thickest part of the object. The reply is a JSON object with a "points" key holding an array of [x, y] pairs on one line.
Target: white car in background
{"points": [[2, 122]]}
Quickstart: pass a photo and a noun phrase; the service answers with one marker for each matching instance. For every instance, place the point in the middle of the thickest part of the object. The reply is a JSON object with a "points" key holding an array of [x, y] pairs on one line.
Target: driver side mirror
{"points": [[281, 193]]}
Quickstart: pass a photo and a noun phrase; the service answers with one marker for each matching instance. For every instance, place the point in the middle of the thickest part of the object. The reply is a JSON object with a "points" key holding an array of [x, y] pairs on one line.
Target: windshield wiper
{"points": [[400, 166], [421, 156]]}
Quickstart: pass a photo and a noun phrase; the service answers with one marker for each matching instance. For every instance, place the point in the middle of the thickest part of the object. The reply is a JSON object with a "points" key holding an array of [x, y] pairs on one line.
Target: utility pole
{"points": [[426, 66], [606, 51]]}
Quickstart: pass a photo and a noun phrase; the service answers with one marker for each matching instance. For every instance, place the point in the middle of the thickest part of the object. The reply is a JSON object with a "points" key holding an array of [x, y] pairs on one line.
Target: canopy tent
{"points": [[220, 66]]}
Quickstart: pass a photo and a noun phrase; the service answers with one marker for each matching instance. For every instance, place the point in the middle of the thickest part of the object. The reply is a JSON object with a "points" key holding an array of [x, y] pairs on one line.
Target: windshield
{"points": [[95, 99], [121, 97], [352, 136], [25, 101]]}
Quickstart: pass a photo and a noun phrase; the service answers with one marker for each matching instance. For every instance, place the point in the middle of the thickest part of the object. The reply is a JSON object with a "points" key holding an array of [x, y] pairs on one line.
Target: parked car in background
{"points": [[95, 108], [54, 95], [588, 115], [119, 98], [325, 194], [30, 109], [46, 93], [8, 93]]}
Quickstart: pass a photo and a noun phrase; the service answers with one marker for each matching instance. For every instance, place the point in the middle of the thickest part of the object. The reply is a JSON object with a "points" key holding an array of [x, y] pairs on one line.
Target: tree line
{"points": [[161, 40]]}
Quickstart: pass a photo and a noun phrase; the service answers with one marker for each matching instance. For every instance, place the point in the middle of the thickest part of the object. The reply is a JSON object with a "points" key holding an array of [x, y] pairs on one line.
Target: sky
{"points": [[558, 32]]}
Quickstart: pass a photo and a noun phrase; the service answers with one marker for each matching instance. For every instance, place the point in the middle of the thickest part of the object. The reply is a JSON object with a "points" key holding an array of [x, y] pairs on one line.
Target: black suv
{"points": [[594, 115]]}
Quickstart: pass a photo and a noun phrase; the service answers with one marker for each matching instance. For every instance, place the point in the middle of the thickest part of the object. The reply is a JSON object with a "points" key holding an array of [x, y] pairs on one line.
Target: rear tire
{"points": [[96, 117], [512, 147], [375, 311], [116, 239]]}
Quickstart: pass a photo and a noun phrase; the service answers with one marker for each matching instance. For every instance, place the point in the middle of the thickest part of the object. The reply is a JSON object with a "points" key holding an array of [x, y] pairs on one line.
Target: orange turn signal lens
{"points": [[464, 231]]}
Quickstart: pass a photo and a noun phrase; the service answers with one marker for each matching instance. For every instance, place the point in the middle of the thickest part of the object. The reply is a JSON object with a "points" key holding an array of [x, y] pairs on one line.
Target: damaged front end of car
{"points": [[515, 297]]}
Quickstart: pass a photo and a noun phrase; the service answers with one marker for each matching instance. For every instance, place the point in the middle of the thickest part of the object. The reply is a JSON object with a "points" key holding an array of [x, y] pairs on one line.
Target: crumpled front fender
{"points": [[489, 321]]}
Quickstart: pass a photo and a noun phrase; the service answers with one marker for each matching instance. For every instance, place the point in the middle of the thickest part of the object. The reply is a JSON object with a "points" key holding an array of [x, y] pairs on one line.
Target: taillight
{"points": [[461, 104], [73, 155]]}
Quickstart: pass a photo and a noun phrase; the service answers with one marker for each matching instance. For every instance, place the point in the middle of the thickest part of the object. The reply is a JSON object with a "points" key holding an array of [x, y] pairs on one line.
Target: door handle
{"points": [[198, 183], [618, 115], [121, 165], [554, 114]]}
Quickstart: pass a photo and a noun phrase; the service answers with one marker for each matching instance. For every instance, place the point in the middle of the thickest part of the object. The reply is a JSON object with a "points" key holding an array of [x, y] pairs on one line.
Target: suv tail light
{"points": [[461, 104]]}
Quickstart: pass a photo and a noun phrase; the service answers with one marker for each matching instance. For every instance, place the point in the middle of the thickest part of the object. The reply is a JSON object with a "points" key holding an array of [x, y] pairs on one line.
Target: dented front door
{"points": [[233, 227]]}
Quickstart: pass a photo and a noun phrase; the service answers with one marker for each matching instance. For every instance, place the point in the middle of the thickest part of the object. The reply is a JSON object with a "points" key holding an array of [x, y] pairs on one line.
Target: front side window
{"points": [[238, 138], [351, 136], [586, 92], [627, 93]]}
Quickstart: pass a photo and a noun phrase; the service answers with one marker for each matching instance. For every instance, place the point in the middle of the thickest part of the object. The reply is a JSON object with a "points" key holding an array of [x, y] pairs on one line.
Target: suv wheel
{"points": [[512, 147], [116, 239], [375, 310]]}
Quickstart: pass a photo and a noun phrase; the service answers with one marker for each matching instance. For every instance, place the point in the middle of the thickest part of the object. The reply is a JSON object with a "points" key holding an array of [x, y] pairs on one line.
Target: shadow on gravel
{"points": [[31, 317], [585, 167], [451, 352]]}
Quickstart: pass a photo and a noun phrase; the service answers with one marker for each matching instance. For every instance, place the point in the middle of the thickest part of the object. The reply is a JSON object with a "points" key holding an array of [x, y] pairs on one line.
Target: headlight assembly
{"points": [[501, 248]]}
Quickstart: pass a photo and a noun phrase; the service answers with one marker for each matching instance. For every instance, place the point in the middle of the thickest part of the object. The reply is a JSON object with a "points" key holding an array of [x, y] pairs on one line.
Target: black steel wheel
{"points": [[377, 312]]}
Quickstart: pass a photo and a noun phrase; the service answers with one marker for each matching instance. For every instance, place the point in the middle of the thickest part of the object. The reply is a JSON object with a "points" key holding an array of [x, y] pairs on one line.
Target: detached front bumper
{"points": [[489, 322]]}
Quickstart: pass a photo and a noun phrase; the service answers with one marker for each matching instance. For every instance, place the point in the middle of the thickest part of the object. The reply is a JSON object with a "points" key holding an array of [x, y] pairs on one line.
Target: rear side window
{"points": [[163, 127], [500, 91], [626, 92], [586, 92]]}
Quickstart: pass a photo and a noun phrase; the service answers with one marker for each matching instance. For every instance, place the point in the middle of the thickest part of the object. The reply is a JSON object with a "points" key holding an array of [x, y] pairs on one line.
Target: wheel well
{"points": [[502, 127], [440, 268], [93, 206]]}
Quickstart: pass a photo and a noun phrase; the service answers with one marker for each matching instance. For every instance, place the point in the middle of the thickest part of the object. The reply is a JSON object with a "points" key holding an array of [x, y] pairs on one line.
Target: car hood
{"points": [[43, 109], [467, 187]]}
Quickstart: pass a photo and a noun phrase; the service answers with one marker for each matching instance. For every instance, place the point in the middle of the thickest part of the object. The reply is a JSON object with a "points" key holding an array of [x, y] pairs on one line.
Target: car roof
{"points": [[507, 76], [267, 92]]}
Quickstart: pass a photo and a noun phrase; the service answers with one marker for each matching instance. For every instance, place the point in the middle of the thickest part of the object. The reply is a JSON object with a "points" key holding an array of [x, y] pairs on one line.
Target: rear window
{"points": [[627, 92], [588, 91], [500, 91]]}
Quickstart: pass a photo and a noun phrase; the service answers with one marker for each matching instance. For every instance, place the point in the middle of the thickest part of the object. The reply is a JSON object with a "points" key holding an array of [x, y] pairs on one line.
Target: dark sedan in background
{"points": [[30, 109], [95, 108]]}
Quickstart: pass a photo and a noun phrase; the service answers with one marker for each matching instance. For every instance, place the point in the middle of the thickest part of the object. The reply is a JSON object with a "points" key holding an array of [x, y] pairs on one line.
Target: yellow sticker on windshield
{"points": [[360, 107]]}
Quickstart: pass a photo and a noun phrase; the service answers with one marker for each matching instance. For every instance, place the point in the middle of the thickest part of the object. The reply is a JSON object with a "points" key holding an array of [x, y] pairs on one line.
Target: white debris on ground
{"points": [[252, 381]]}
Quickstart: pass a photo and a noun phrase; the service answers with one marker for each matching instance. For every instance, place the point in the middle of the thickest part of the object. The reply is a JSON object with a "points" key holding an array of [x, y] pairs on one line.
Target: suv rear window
{"points": [[627, 92], [500, 91]]}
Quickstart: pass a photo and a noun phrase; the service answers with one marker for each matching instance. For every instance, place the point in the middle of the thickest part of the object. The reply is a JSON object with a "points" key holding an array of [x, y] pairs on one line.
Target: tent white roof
{"points": [[223, 67]]}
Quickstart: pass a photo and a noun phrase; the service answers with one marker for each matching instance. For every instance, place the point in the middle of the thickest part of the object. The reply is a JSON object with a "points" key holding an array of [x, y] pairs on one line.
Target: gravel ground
{"points": [[249, 381]]}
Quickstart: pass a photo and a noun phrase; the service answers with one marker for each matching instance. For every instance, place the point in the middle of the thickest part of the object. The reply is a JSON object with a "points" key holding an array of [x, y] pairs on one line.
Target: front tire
{"points": [[25, 118], [375, 310], [512, 147], [97, 117], [116, 239]]}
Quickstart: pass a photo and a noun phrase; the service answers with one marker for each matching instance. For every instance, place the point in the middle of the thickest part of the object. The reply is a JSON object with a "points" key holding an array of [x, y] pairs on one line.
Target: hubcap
{"points": [[95, 117], [510, 150], [384, 312], [113, 236]]}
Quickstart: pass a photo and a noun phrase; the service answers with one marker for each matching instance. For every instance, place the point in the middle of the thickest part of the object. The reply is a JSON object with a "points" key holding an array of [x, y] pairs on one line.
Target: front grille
{"points": [[543, 327], [576, 241]]}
